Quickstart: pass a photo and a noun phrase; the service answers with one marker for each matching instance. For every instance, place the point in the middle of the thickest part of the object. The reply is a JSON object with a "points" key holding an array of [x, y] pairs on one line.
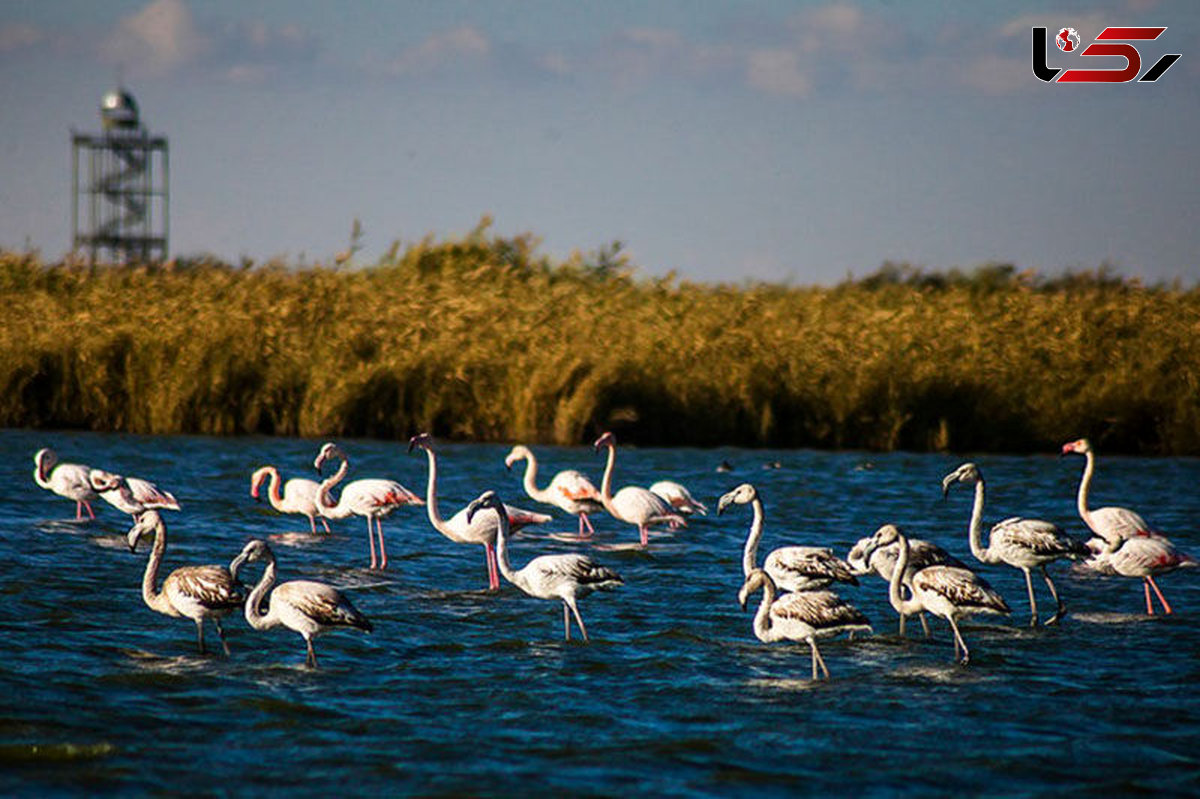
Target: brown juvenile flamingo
{"points": [[566, 577], [459, 528], [569, 490], [865, 558], [298, 495], [947, 591], [633, 504], [193, 592], [804, 616], [373, 498], [1024, 544], [794, 568], [305, 606], [68, 480]]}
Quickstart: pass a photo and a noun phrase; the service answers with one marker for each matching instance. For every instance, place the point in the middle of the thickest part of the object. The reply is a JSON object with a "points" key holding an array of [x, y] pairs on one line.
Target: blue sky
{"points": [[781, 141]]}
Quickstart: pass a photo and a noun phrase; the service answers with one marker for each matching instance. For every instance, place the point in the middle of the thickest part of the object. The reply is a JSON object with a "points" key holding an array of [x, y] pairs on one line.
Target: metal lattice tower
{"points": [[120, 198]]}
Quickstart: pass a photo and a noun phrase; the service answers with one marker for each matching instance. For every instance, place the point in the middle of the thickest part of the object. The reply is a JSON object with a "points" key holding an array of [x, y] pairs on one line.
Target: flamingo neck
{"points": [[750, 552], [898, 603], [41, 475], [274, 493], [155, 599], [762, 617], [1085, 485], [506, 568], [530, 479], [253, 608], [325, 504], [431, 506], [606, 496], [975, 530]]}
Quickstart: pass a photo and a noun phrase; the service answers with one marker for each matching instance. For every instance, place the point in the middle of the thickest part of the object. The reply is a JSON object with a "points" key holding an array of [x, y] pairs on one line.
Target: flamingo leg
{"points": [[493, 575], [1166, 605], [311, 660], [901, 632], [924, 624], [1149, 607], [1062, 609], [312, 523], [221, 635], [382, 550], [371, 541], [645, 535], [817, 660], [1033, 619], [566, 622], [578, 619], [325, 523], [959, 642], [200, 636], [584, 520]]}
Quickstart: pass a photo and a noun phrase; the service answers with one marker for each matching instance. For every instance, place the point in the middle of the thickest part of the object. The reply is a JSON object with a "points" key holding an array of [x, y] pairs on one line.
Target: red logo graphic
{"points": [[1068, 42]]}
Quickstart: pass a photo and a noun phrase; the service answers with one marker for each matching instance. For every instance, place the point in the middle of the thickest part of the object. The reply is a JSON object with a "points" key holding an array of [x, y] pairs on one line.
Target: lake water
{"points": [[461, 691]]}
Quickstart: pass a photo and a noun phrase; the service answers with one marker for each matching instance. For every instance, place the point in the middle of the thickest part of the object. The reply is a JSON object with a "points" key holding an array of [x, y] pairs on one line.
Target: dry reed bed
{"points": [[482, 338]]}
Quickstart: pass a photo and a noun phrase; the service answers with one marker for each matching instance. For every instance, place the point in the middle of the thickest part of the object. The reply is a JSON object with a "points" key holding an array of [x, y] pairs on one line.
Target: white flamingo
{"points": [[794, 568], [567, 577], [372, 498], [678, 497], [305, 606], [130, 495], [462, 530], [804, 616], [298, 495], [1142, 556], [68, 480], [1024, 544], [193, 592], [947, 591], [864, 558], [1111, 524], [633, 504], [569, 490]]}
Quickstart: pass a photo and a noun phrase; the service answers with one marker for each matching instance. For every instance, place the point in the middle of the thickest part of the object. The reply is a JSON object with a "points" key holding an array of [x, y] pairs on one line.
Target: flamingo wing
{"points": [[150, 495], [1115, 524], [574, 485], [1042, 538], [960, 587]]}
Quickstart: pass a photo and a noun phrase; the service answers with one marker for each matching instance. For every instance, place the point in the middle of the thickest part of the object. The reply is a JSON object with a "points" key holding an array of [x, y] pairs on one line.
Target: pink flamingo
{"points": [[633, 504], [569, 489], [68, 480], [1116, 526], [373, 498], [299, 495], [462, 528], [130, 495]]}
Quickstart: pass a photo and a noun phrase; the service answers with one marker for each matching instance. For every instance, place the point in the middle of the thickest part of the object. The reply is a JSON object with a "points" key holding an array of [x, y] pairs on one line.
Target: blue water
{"points": [[464, 691]]}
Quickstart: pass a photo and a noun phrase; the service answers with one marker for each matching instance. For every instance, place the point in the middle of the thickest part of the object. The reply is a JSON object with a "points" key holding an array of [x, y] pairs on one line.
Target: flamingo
{"points": [[299, 495], [194, 592], [463, 530], [1024, 544], [804, 616], [130, 495], [374, 498], [569, 489], [864, 559], [68, 480], [678, 497], [567, 577], [794, 568], [307, 607], [1143, 556], [951, 592], [1111, 524], [633, 504]]}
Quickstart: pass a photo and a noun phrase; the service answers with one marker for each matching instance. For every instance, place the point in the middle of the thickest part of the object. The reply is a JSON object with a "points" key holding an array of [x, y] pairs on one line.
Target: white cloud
{"points": [[777, 72], [158, 39], [451, 48]]}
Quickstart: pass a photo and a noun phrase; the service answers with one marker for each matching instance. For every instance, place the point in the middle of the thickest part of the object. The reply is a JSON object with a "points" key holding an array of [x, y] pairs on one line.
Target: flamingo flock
{"points": [[799, 582]]}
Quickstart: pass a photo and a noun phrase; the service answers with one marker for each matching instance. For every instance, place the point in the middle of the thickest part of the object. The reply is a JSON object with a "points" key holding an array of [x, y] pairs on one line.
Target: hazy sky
{"points": [[767, 140]]}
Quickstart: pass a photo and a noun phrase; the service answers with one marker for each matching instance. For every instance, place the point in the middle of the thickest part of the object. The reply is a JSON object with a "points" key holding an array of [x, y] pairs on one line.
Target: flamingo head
{"points": [[1081, 446], [102, 481], [859, 556], [148, 521], [329, 451], [755, 580], [255, 549], [606, 440], [488, 499], [967, 473], [422, 440], [885, 536], [518, 453], [257, 479], [742, 495]]}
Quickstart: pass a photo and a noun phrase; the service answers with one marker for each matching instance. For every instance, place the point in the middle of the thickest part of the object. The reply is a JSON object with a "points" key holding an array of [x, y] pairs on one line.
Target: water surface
{"points": [[464, 691]]}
